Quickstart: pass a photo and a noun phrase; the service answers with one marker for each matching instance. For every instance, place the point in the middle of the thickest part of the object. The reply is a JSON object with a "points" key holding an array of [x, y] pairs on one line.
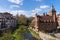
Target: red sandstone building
{"points": [[58, 19], [47, 22]]}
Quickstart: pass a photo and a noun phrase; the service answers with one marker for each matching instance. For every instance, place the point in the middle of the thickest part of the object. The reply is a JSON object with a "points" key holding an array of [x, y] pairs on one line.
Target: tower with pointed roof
{"points": [[52, 13]]}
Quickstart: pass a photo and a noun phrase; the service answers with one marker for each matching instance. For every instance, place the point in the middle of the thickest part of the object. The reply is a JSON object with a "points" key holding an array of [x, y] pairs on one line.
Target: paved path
{"points": [[46, 36], [57, 35]]}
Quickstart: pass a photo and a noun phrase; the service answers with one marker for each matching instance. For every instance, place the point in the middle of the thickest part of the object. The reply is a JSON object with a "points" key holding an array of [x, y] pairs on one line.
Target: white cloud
{"points": [[16, 1], [36, 10], [24, 12], [14, 6], [2, 9], [58, 12], [44, 6], [14, 12]]}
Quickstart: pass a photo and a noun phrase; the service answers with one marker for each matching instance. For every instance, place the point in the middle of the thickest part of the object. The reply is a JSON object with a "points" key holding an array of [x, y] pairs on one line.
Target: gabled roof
{"points": [[46, 18]]}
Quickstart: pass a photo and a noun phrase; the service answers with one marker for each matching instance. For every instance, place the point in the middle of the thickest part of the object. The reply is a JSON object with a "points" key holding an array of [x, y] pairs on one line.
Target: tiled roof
{"points": [[46, 18]]}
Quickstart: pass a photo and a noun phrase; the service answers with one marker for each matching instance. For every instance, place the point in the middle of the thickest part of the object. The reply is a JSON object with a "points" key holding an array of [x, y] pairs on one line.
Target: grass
{"points": [[20, 32], [34, 34]]}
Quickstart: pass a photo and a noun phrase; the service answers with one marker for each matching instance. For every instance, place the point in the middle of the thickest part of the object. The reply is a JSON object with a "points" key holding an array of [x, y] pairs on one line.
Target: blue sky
{"points": [[28, 7]]}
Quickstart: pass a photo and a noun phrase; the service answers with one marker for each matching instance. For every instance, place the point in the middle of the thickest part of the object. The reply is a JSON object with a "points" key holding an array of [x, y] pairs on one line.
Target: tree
{"points": [[17, 17], [20, 32], [30, 19], [22, 19], [6, 35]]}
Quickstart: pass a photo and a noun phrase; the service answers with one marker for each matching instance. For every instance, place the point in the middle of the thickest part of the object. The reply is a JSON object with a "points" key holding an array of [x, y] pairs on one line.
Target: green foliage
{"points": [[20, 32], [17, 35], [34, 34], [43, 31], [6, 35], [52, 35], [22, 20]]}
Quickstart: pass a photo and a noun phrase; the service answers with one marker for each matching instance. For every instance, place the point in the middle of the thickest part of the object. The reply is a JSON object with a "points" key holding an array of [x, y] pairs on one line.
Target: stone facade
{"points": [[7, 20], [58, 19], [47, 22]]}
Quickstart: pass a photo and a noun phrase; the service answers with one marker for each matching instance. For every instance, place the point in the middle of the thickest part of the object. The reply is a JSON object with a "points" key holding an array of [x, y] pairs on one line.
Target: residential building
{"points": [[7, 20]]}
